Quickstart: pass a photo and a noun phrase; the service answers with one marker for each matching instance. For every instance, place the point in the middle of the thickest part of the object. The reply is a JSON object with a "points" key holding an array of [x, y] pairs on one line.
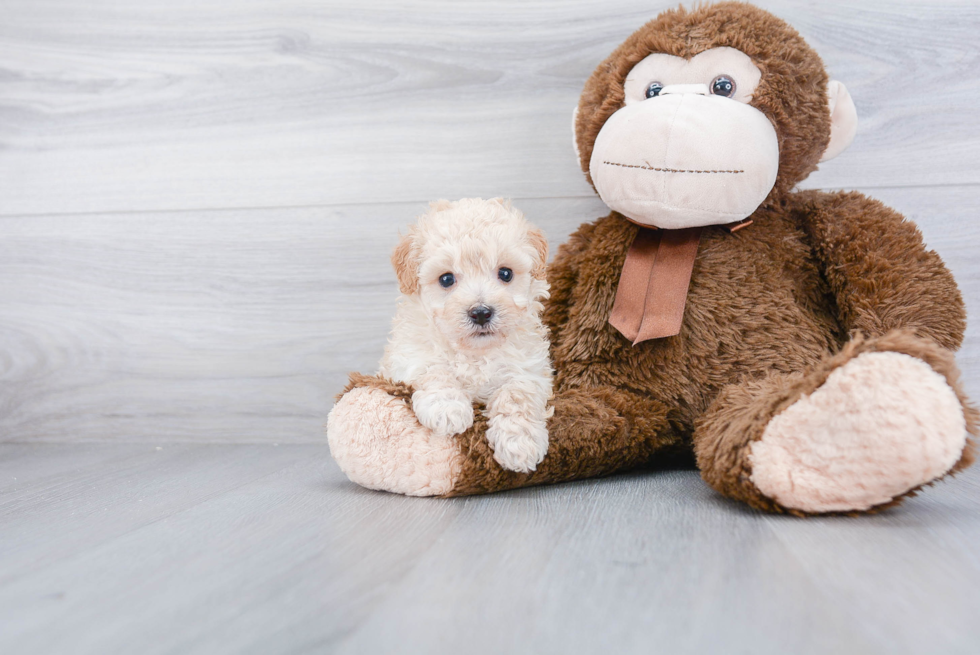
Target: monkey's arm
{"points": [[879, 270]]}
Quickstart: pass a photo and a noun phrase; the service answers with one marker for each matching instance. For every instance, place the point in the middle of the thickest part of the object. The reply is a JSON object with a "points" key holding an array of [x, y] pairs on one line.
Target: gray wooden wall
{"points": [[198, 197]]}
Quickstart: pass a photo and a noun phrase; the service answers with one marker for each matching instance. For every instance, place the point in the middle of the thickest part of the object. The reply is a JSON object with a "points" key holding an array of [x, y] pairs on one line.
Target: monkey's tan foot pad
{"points": [[881, 425], [379, 444]]}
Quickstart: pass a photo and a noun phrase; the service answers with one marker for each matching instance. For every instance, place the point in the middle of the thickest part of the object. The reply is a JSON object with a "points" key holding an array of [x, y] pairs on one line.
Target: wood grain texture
{"points": [[215, 326], [241, 325], [128, 106], [197, 203], [258, 549]]}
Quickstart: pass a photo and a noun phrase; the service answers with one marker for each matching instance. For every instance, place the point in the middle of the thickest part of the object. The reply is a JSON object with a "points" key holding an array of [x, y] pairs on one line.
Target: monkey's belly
{"points": [[742, 320]]}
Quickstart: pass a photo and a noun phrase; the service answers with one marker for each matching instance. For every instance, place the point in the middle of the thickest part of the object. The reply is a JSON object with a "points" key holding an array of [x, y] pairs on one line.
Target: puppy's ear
{"points": [[405, 259], [540, 243]]}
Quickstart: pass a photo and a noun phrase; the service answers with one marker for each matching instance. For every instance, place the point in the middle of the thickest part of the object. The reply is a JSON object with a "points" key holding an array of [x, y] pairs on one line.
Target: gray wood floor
{"points": [[197, 202], [219, 548]]}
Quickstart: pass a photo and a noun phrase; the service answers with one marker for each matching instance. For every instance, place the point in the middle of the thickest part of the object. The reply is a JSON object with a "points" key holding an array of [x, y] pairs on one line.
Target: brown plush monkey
{"points": [[798, 343]]}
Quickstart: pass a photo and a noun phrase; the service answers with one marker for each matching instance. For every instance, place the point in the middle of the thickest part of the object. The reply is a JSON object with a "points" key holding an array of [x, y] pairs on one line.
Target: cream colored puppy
{"points": [[468, 326]]}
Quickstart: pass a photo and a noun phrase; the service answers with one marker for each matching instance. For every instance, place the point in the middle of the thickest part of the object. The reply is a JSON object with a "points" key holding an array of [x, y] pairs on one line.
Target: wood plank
{"points": [[240, 326], [19, 469], [138, 486], [282, 557], [300, 560], [219, 326], [188, 105], [909, 576], [635, 564]]}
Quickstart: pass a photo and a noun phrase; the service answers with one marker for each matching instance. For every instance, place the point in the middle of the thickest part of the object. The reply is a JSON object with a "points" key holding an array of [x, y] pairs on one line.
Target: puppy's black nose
{"points": [[481, 314]]}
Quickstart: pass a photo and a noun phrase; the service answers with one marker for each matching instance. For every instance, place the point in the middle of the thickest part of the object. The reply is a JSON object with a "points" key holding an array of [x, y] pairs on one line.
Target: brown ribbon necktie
{"points": [[653, 285]]}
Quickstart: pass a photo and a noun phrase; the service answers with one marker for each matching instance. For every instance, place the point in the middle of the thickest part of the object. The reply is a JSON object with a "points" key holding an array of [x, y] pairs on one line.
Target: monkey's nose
{"points": [[481, 314]]}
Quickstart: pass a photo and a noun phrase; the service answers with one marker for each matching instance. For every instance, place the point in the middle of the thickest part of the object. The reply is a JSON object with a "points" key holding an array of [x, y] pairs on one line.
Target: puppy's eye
{"points": [[505, 274], [723, 86], [654, 89], [447, 280]]}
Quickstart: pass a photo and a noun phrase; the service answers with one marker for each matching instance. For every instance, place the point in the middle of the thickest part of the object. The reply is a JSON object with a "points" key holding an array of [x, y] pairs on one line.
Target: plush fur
{"points": [[393, 453], [450, 359], [880, 425], [773, 310]]}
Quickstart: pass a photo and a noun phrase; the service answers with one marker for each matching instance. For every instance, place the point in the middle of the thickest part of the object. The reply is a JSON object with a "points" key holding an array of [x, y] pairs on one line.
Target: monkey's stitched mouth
{"points": [[669, 170]]}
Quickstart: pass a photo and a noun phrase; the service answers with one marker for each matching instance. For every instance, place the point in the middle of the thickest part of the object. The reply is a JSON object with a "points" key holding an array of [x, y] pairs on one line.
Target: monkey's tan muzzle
{"points": [[685, 159]]}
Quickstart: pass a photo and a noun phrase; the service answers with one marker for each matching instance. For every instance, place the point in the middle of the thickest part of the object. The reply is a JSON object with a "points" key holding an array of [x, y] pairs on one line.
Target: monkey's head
{"points": [[701, 116]]}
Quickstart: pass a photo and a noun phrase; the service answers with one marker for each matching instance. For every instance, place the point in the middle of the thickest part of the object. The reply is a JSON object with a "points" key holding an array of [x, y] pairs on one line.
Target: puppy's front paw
{"points": [[444, 412], [519, 443]]}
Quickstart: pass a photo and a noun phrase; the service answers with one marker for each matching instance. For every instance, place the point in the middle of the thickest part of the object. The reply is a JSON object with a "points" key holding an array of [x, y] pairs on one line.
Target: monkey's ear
{"points": [[540, 243], [843, 120], [405, 259]]}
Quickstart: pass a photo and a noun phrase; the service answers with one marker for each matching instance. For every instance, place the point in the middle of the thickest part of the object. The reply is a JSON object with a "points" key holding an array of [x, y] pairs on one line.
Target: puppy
{"points": [[468, 326]]}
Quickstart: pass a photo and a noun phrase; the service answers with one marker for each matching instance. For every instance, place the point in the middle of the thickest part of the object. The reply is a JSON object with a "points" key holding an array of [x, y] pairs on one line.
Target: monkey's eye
{"points": [[447, 280], [505, 274], [723, 86], [654, 89]]}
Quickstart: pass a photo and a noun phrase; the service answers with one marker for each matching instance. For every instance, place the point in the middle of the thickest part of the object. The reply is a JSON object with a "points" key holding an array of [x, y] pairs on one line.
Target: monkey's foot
{"points": [[377, 441], [881, 425]]}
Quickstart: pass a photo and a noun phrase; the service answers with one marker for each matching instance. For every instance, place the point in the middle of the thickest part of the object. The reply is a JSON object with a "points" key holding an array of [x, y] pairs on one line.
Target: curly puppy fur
{"points": [[772, 309], [468, 327]]}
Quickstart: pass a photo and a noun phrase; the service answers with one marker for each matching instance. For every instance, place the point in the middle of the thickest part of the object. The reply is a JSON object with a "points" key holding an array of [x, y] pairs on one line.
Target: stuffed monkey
{"points": [[797, 343]]}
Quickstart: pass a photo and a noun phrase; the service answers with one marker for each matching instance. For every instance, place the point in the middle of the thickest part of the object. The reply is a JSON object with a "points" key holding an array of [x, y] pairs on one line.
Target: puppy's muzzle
{"points": [[481, 314]]}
